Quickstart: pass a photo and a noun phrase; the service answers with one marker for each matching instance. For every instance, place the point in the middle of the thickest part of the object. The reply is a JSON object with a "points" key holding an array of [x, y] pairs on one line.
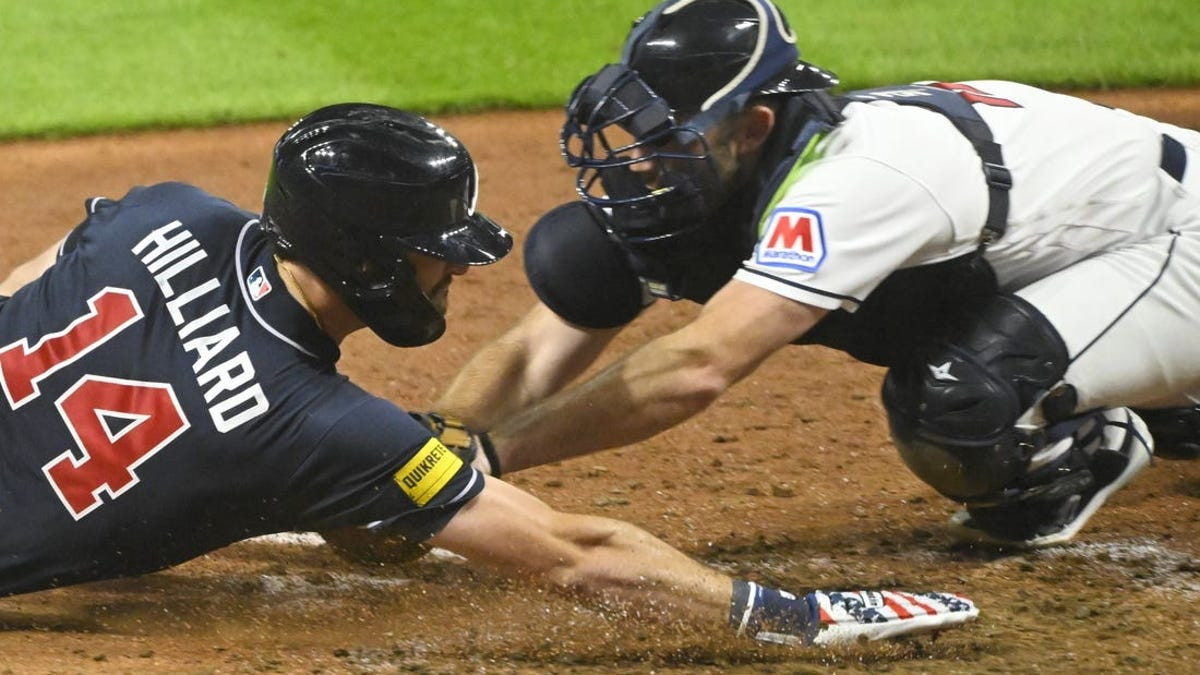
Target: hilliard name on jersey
{"points": [[226, 377]]}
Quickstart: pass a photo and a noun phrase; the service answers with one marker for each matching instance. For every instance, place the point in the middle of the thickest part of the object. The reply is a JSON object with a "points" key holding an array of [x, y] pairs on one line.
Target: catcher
{"points": [[170, 388], [1022, 262]]}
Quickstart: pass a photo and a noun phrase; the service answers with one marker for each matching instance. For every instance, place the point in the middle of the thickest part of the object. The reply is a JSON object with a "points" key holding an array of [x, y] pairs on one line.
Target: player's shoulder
{"points": [[169, 196], [196, 208], [991, 96], [176, 193], [145, 209], [982, 85]]}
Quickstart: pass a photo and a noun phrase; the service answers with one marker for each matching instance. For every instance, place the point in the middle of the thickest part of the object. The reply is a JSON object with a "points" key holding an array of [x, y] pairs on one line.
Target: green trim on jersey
{"points": [[807, 156]]}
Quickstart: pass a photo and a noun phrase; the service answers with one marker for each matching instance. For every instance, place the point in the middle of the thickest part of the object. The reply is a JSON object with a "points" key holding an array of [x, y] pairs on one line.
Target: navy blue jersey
{"points": [[164, 395]]}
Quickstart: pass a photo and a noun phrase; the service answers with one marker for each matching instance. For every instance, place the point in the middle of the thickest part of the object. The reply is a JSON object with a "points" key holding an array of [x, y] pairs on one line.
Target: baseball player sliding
{"points": [[170, 388], [1023, 262]]}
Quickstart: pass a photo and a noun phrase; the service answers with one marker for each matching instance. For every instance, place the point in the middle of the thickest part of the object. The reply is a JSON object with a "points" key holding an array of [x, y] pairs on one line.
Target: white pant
{"points": [[1130, 316]]}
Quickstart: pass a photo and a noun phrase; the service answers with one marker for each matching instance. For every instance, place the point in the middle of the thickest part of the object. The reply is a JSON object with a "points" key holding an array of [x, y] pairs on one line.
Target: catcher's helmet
{"points": [[697, 54], [685, 66], [354, 188]]}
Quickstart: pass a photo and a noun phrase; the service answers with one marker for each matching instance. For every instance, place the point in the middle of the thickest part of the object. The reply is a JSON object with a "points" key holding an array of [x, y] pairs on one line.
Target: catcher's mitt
{"points": [[474, 448]]}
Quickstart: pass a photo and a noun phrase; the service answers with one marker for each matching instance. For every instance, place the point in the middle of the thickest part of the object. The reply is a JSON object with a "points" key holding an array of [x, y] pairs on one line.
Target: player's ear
{"points": [[754, 125]]}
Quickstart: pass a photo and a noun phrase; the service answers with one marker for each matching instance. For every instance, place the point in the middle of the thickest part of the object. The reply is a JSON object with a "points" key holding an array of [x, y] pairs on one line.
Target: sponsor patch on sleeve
{"points": [[794, 237], [424, 476]]}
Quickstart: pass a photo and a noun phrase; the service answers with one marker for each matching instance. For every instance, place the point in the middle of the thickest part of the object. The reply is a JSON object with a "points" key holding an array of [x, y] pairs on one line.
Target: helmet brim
{"points": [[804, 76], [476, 240]]}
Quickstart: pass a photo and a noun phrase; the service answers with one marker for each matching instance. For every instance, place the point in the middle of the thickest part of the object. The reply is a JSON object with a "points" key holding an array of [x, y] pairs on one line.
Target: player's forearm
{"points": [[607, 560], [489, 388], [29, 270], [619, 565], [650, 391], [532, 361], [629, 569]]}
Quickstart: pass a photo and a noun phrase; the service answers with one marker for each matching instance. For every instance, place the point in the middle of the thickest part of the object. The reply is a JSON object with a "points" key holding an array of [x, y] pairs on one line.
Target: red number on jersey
{"points": [[22, 366], [118, 424], [974, 95]]}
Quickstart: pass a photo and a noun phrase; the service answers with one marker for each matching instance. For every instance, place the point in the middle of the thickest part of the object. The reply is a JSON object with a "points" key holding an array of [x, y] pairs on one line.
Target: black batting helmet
{"points": [[354, 188]]}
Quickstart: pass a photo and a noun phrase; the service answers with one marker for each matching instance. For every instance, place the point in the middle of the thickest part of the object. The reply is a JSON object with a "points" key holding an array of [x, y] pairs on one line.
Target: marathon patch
{"points": [[794, 237], [258, 284], [424, 476]]}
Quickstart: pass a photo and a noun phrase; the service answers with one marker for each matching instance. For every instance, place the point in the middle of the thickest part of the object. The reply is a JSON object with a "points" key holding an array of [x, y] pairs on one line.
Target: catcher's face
{"points": [[434, 276], [724, 147], [735, 144]]}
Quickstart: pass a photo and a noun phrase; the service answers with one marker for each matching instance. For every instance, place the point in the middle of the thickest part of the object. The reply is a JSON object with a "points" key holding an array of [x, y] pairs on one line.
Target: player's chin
{"points": [[440, 298]]}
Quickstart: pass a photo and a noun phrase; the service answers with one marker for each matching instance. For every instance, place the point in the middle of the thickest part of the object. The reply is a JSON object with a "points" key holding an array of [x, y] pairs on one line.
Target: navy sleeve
{"points": [[377, 466], [73, 237]]}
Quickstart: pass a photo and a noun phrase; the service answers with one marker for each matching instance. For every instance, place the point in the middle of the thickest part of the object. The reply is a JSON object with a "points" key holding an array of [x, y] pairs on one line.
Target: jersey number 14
{"points": [[117, 424]]}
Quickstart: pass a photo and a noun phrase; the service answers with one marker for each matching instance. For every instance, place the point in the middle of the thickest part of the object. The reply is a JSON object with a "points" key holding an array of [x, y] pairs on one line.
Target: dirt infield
{"points": [[789, 479]]}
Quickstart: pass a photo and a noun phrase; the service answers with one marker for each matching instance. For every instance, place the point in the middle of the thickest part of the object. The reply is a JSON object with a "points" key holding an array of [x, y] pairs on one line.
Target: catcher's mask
{"points": [[355, 188], [638, 131]]}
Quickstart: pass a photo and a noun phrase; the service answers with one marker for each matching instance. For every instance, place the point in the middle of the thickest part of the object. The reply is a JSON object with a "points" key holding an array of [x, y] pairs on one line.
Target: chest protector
{"points": [[582, 274], [919, 305]]}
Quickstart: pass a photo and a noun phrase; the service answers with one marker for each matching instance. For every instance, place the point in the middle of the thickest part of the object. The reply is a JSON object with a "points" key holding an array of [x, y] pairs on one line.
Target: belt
{"points": [[1174, 158]]}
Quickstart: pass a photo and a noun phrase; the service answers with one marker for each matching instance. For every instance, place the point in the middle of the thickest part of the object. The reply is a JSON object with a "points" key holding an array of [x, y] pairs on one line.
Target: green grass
{"points": [[80, 66]]}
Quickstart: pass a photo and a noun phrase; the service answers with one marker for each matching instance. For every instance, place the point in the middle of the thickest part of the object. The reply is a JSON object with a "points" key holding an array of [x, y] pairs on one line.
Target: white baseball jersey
{"points": [[1099, 238]]}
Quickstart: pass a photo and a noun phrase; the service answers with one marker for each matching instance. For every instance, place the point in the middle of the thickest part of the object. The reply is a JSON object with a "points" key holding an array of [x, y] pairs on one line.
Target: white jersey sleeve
{"points": [[874, 199], [895, 186]]}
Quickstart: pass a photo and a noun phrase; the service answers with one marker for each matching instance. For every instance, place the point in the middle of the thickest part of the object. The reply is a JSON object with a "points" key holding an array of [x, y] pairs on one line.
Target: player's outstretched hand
{"points": [[847, 617], [850, 616], [474, 448]]}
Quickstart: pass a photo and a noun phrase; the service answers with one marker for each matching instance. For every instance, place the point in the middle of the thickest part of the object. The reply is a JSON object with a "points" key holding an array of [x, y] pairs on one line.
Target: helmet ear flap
{"points": [[391, 303], [404, 317]]}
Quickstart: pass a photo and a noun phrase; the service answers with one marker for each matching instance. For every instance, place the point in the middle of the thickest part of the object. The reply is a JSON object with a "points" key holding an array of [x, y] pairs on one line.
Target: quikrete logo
{"points": [[793, 238], [424, 476]]}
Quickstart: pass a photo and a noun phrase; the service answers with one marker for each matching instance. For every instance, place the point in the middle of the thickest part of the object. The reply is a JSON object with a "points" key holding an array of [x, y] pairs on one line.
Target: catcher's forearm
{"points": [[649, 391], [659, 385], [533, 360], [488, 388]]}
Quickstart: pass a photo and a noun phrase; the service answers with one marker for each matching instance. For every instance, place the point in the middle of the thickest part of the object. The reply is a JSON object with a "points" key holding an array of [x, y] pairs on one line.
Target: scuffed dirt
{"points": [[789, 479]]}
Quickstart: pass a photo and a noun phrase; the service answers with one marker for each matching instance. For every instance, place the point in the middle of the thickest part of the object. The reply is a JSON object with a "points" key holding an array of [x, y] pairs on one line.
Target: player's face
{"points": [[724, 150], [434, 277], [720, 149], [650, 168]]}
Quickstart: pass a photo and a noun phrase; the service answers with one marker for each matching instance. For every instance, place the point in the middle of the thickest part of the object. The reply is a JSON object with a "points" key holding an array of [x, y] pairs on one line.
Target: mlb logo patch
{"points": [[794, 238], [258, 284]]}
